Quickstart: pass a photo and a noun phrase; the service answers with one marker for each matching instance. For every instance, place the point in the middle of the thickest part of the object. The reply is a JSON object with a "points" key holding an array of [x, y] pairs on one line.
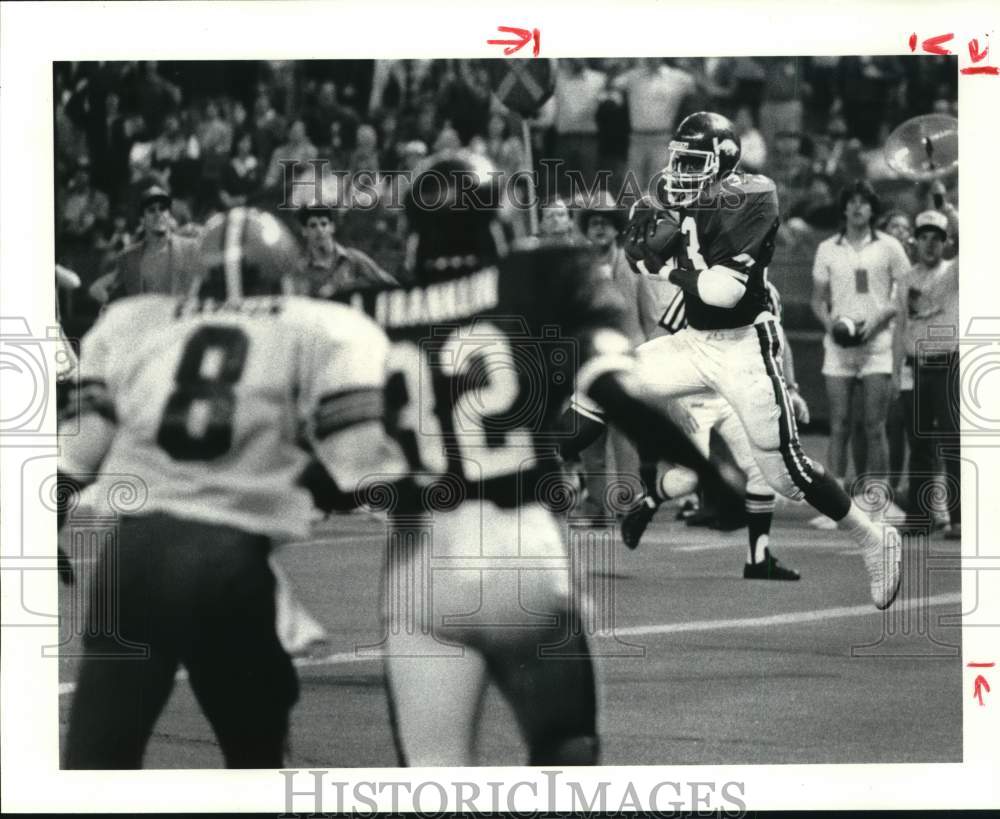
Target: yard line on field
{"points": [[788, 619]]}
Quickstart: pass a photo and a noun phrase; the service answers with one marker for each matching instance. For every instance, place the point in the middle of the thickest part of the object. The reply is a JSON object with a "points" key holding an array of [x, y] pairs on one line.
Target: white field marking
{"points": [[838, 547], [791, 618]]}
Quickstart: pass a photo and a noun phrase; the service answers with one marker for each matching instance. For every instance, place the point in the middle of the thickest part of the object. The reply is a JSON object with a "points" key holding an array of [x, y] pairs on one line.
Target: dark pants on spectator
{"points": [[933, 424], [196, 595], [579, 153]]}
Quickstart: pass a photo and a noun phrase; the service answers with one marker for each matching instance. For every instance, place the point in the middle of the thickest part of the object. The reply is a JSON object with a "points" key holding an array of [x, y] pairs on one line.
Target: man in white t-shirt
{"points": [[857, 286]]}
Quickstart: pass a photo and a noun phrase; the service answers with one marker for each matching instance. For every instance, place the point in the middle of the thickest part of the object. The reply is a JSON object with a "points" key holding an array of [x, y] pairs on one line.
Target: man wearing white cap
{"points": [[930, 335]]}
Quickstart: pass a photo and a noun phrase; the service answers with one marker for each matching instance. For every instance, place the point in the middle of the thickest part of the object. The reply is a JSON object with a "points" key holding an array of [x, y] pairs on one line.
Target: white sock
{"points": [[762, 542], [859, 527]]}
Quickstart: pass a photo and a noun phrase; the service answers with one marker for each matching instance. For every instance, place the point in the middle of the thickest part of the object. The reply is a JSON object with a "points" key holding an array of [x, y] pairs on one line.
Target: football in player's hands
{"points": [[652, 239]]}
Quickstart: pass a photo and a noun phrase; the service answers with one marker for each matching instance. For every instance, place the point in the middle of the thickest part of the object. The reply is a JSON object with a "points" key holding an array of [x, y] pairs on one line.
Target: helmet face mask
{"points": [[705, 148], [688, 172]]}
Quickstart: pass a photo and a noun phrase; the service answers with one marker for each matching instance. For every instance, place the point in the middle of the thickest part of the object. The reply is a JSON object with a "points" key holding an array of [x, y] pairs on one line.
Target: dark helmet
{"points": [[705, 147], [453, 214], [246, 252]]}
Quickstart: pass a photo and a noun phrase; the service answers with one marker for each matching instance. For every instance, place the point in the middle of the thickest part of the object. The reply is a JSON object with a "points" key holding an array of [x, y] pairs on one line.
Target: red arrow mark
{"points": [[980, 665], [980, 684], [524, 37], [913, 42], [933, 45], [974, 51], [977, 56]]}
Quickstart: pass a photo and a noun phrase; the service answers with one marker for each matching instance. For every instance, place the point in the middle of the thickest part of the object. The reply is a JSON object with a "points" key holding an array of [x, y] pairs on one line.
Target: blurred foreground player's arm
{"points": [[345, 372], [593, 314], [90, 409]]}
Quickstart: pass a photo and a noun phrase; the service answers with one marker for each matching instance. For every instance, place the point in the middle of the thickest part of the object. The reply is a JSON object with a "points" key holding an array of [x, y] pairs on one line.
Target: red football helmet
{"points": [[705, 147], [246, 252]]}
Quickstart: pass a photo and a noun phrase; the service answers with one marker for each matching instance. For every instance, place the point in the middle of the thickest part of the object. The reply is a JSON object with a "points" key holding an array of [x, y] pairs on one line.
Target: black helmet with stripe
{"points": [[246, 252], [453, 214], [705, 147]]}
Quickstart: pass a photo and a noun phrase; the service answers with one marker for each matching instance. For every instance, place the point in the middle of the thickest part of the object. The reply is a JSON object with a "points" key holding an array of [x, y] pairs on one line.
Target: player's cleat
{"points": [[769, 568], [635, 521], [883, 560]]}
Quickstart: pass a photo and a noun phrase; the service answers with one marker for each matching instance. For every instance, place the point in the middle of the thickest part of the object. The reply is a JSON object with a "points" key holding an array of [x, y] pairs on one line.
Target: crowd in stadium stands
{"points": [[203, 136]]}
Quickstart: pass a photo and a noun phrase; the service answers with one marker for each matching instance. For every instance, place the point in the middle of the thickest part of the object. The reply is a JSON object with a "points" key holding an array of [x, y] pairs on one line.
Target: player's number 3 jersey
{"points": [[737, 230], [213, 407]]}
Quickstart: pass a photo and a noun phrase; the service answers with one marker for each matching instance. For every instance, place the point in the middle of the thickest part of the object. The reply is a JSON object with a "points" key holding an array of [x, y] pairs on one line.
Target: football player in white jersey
{"points": [[216, 403]]}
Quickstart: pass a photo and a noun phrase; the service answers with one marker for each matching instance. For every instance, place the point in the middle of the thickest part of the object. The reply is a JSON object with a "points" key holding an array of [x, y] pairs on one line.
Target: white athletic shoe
{"points": [[823, 522], [883, 560]]}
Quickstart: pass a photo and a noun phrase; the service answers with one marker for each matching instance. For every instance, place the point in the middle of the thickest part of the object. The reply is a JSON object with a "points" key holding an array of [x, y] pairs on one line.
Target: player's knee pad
{"points": [[777, 476], [675, 481]]}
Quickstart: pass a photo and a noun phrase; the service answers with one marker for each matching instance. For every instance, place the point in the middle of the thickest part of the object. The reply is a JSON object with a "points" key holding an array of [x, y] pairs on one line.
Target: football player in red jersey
{"points": [[718, 254], [487, 346], [216, 403], [707, 411]]}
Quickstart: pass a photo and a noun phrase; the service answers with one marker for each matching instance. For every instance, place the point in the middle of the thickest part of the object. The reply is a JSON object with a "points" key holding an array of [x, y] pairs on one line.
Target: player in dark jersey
{"points": [[718, 255], [487, 347]]}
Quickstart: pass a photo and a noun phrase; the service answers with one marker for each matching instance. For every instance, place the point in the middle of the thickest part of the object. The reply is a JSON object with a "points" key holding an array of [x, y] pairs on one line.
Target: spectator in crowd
{"points": [[160, 262], [215, 139], [447, 139], [556, 222], [390, 156], [753, 154], [242, 175], [326, 112], [817, 210], [858, 275], [820, 77], [789, 169], [865, 90], [399, 84], [113, 241], [85, 209], [613, 133], [365, 155], [295, 153], [330, 267], [169, 147], [656, 93], [577, 95], [932, 410], [781, 106], [269, 126], [464, 99], [897, 224]]}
